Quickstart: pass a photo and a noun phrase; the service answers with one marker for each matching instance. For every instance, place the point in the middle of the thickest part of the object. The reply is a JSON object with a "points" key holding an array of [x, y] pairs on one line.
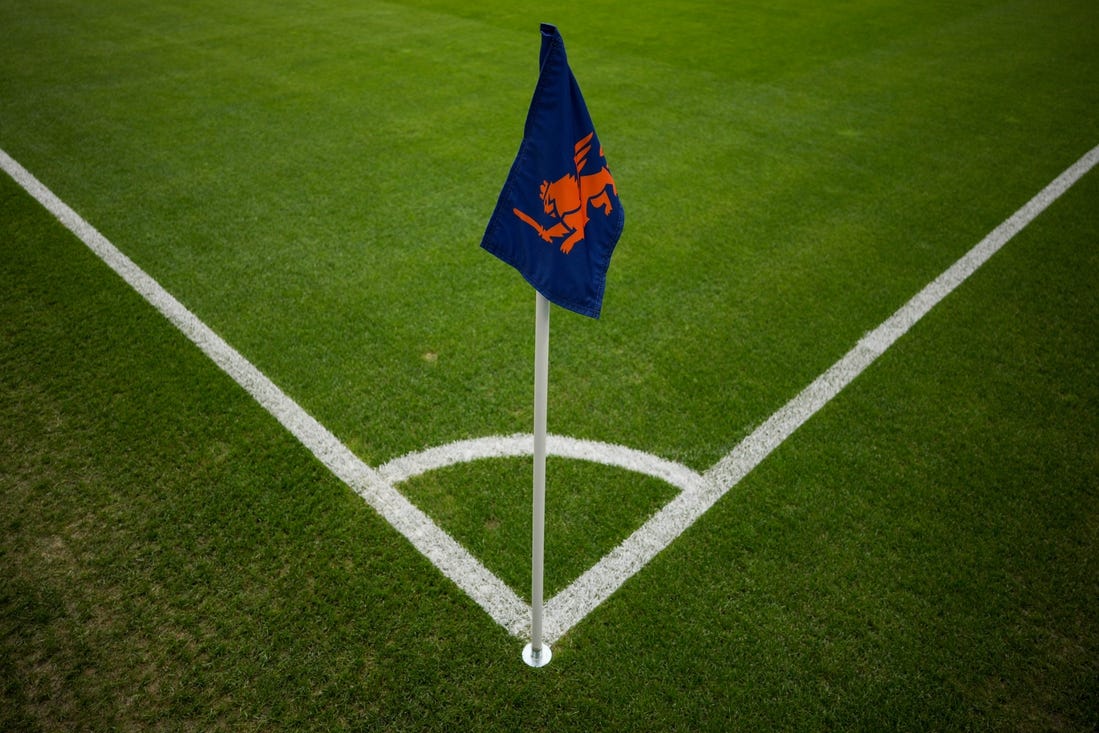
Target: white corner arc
{"points": [[520, 445]]}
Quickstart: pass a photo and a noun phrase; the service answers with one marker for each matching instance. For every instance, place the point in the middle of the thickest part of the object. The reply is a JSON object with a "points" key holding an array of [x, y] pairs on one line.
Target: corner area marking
{"points": [[520, 445], [698, 493]]}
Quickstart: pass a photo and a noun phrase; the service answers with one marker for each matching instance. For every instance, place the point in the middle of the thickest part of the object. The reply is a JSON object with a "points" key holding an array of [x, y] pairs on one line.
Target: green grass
{"points": [[313, 183]]}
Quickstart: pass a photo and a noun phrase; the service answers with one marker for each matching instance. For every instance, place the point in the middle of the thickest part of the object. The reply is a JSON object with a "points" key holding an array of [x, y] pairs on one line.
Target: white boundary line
{"points": [[488, 591], [571, 605], [697, 495]]}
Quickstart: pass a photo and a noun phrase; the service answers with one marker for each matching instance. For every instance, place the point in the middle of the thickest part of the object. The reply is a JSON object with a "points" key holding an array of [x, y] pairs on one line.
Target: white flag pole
{"points": [[537, 654]]}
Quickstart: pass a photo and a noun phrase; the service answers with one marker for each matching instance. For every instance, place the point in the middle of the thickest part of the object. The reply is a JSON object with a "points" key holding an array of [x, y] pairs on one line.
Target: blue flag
{"points": [[558, 218]]}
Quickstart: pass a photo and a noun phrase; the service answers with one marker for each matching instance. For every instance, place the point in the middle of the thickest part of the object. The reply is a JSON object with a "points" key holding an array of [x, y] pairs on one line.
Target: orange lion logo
{"points": [[567, 200]]}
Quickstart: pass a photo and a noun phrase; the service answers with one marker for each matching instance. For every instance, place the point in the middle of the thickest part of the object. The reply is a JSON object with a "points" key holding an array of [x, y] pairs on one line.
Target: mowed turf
{"points": [[313, 183]]}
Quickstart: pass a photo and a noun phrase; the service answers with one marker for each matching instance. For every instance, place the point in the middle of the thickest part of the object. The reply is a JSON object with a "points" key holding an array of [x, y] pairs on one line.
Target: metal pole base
{"points": [[537, 659]]}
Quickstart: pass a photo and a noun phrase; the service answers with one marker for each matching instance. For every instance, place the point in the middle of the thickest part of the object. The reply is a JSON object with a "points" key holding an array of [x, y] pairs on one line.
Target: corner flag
{"points": [[558, 217]]}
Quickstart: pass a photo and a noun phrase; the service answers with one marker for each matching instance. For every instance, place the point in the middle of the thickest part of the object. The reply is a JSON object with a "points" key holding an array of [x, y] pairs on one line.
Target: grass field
{"points": [[312, 180]]}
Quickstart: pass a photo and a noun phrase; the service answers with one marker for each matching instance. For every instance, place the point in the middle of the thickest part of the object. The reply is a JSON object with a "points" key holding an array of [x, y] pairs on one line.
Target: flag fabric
{"points": [[558, 217]]}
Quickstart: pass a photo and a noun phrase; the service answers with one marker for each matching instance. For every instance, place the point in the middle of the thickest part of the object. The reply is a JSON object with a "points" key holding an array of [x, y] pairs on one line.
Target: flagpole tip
{"points": [[539, 658]]}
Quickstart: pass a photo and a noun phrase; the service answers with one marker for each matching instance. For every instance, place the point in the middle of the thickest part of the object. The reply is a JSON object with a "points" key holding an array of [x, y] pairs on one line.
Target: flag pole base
{"points": [[537, 659]]}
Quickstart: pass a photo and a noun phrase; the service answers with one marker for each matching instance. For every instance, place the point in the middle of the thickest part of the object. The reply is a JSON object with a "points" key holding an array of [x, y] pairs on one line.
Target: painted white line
{"points": [[516, 446], [698, 493], [571, 605], [488, 591]]}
